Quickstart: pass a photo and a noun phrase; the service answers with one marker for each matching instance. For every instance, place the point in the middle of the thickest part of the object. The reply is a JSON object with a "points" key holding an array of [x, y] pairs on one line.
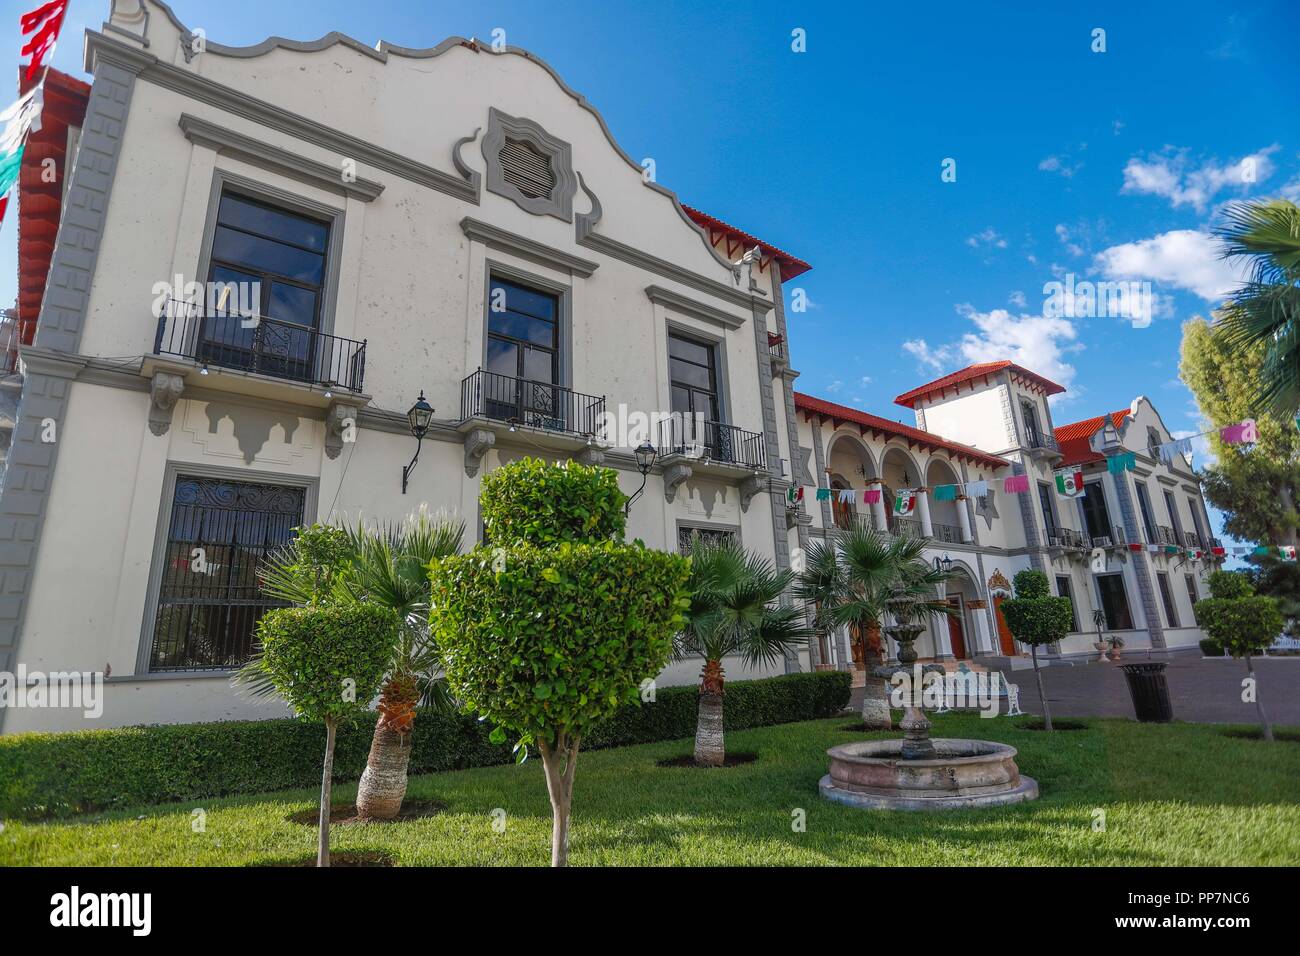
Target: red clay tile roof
{"points": [[1075, 438], [954, 380], [39, 201], [791, 266], [877, 425]]}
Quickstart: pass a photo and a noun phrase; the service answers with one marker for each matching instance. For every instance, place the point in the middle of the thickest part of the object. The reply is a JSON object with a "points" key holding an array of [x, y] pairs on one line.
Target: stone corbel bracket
{"points": [[340, 427], [165, 390], [478, 443], [674, 475], [591, 457], [749, 488]]}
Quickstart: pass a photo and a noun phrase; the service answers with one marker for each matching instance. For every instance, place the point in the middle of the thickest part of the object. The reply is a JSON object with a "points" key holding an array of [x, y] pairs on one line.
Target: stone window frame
{"points": [[502, 125], [174, 469]]}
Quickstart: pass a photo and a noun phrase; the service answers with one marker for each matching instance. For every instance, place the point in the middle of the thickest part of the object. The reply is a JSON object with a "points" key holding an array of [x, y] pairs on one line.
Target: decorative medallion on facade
{"points": [[529, 166], [998, 581]]}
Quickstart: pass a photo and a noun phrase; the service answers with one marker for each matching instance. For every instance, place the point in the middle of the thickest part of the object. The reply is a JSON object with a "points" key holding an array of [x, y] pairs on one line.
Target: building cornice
{"points": [[497, 238], [256, 152], [692, 307]]}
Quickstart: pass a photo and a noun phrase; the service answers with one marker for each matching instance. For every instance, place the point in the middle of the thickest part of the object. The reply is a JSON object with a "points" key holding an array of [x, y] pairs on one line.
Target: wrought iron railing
{"points": [[684, 435], [506, 398], [776, 346], [905, 526], [10, 339], [1167, 535], [1036, 439], [949, 533], [255, 343], [1193, 540], [1069, 538]]}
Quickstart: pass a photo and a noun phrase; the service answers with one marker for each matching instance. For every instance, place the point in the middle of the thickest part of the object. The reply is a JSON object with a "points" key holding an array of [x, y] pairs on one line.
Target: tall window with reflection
{"points": [[693, 380], [283, 252], [523, 347]]}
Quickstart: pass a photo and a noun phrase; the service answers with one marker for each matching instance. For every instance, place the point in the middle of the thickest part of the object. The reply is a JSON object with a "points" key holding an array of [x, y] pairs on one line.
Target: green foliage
{"points": [[1279, 578], [1235, 617], [327, 660], [561, 637], [1255, 486], [733, 607], [1265, 310], [307, 570], [1210, 647], [1229, 585], [57, 775], [1034, 616], [532, 502]]}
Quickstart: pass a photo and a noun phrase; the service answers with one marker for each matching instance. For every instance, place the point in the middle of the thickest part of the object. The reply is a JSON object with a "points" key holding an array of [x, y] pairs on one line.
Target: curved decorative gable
{"points": [[529, 166]]}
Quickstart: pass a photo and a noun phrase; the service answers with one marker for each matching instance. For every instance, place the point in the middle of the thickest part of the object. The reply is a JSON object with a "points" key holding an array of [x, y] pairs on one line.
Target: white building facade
{"points": [[501, 257]]}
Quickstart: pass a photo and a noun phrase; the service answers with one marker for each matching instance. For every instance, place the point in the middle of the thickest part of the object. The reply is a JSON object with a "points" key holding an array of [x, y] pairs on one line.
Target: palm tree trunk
{"points": [[710, 742], [383, 784], [326, 780], [560, 763], [1042, 695], [1259, 705], [875, 690]]}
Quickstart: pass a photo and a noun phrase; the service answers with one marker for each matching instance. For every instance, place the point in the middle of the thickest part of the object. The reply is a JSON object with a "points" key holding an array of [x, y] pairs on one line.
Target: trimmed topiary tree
{"points": [[327, 661], [554, 624], [1036, 617], [1243, 622]]}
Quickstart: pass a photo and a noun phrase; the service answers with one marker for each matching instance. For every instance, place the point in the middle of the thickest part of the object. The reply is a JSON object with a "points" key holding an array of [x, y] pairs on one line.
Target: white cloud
{"points": [[1183, 258], [835, 386], [866, 380], [1171, 175], [1017, 298], [1060, 164], [988, 239], [1063, 233], [1037, 342]]}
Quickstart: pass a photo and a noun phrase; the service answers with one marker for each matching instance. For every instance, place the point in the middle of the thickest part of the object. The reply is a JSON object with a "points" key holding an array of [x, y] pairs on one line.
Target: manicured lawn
{"points": [[1180, 794]]}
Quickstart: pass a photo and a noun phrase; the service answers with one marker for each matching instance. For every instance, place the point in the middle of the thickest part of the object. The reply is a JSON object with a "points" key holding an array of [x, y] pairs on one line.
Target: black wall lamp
{"points": [[944, 564], [646, 454], [418, 418]]}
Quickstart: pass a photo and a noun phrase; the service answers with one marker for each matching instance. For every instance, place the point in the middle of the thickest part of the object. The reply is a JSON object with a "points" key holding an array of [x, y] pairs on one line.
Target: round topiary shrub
{"points": [[1211, 648], [554, 624]]}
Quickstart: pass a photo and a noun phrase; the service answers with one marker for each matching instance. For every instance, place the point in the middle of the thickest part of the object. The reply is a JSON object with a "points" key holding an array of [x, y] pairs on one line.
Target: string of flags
{"points": [[41, 26], [1243, 432]]}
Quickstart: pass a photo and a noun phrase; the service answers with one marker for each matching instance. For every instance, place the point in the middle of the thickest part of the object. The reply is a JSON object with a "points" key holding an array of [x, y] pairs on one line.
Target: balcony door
{"points": [[282, 252], [523, 346]]}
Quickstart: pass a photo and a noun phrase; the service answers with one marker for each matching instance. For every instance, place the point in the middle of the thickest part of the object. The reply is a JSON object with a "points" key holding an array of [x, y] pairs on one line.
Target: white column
{"points": [[878, 513], [939, 630], [923, 509], [963, 519]]}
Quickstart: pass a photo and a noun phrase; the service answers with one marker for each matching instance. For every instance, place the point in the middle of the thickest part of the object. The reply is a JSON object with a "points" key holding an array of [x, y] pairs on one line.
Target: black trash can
{"points": [[1149, 690]]}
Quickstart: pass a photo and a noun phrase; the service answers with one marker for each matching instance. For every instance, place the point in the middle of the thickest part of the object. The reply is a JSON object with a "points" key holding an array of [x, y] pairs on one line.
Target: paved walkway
{"points": [[1203, 691]]}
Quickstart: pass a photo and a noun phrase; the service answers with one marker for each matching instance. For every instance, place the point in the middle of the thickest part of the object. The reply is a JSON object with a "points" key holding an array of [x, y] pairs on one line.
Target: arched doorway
{"points": [[960, 592]]}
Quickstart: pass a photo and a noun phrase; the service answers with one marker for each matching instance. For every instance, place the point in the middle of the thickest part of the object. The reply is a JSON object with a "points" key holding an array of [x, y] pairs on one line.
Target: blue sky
{"points": [[1107, 165]]}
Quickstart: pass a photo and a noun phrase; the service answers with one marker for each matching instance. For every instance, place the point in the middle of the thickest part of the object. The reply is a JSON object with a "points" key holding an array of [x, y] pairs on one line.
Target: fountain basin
{"points": [[963, 774]]}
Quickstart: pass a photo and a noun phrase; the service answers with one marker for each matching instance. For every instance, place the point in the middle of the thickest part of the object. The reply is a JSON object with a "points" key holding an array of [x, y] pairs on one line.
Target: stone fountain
{"points": [[918, 772]]}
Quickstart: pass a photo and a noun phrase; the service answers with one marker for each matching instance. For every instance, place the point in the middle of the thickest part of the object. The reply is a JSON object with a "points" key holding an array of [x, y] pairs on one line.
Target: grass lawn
{"points": [[1178, 794]]}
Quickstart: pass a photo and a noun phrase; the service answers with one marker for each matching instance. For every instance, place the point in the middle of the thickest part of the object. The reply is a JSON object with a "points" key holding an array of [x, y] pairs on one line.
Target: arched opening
{"points": [[899, 471], [849, 466], [943, 513]]}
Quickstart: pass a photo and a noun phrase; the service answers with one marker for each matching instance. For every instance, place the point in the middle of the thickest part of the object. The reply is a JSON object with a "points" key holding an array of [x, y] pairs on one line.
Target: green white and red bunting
{"points": [[905, 503], [41, 29], [1069, 484]]}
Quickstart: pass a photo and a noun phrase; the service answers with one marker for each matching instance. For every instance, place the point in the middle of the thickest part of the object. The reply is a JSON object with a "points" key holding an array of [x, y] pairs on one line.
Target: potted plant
{"points": [[1116, 642], [1100, 644]]}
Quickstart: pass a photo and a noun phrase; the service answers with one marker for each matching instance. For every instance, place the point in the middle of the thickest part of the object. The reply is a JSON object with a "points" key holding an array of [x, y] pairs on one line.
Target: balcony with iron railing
{"points": [[1165, 535], [713, 443], [1068, 538], [1193, 540], [947, 533], [776, 351], [258, 344], [1041, 444], [491, 396]]}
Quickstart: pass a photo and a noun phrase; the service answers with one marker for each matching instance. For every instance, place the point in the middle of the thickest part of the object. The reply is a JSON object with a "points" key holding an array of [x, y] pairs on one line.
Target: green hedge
{"points": [[52, 775]]}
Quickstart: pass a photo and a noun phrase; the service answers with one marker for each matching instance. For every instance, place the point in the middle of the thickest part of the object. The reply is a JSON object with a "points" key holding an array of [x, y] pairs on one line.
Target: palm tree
{"points": [[385, 565], [852, 581], [733, 611], [817, 586], [1266, 233]]}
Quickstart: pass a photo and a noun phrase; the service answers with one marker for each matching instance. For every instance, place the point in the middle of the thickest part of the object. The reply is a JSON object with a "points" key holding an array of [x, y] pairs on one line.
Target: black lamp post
{"points": [[646, 454], [418, 418]]}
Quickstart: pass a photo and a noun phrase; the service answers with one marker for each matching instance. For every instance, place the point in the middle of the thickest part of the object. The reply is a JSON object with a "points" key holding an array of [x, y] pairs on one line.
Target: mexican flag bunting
{"points": [[905, 503], [1069, 484], [20, 118]]}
